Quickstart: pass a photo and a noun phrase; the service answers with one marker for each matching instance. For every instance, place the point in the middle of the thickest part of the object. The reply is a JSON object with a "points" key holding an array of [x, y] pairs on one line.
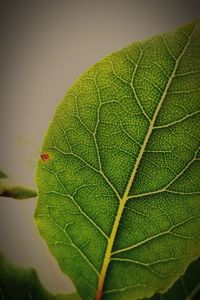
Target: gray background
{"points": [[45, 45]]}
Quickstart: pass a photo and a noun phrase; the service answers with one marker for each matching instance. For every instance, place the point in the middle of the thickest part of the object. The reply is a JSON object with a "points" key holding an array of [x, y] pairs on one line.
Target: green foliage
{"points": [[119, 197], [17, 283], [187, 287], [20, 283], [2, 174], [14, 191]]}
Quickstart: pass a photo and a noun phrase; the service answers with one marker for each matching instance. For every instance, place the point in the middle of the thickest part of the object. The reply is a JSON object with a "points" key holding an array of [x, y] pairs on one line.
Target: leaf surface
{"points": [[119, 197], [17, 283], [187, 287]]}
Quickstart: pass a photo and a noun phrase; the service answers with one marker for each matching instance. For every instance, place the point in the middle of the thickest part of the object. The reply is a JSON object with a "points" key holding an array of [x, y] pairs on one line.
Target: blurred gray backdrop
{"points": [[45, 46]]}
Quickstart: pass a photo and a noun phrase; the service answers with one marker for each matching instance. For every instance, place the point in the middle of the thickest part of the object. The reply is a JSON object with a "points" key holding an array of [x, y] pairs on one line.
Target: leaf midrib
{"points": [[124, 199]]}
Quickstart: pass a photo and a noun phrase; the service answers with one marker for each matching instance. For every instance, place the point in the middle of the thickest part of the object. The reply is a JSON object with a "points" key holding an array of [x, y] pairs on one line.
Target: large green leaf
{"points": [[186, 288], [17, 283], [119, 194]]}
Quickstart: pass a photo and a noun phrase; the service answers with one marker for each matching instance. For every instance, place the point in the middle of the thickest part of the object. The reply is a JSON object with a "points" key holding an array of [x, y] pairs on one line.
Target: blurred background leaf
{"points": [[14, 191], [23, 283]]}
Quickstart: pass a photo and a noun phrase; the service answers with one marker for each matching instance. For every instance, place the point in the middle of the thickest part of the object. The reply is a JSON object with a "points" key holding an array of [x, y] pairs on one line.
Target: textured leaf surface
{"points": [[119, 197], [187, 287], [17, 283]]}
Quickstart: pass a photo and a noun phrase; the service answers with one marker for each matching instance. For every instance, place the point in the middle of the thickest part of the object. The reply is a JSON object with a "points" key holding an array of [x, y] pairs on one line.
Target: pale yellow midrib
{"points": [[130, 182]]}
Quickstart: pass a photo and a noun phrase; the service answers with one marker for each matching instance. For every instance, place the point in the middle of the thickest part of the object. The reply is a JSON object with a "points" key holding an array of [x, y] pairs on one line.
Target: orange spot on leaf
{"points": [[45, 156]]}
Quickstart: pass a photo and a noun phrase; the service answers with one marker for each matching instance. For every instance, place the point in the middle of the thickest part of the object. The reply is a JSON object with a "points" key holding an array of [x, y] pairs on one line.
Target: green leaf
{"points": [[2, 175], [16, 191], [119, 196], [17, 283], [187, 287], [73, 296]]}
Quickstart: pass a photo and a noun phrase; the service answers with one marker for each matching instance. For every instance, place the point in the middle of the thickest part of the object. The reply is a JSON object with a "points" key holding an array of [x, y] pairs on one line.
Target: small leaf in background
{"points": [[17, 283], [2, 175], [119, 199], [16, 191]]}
